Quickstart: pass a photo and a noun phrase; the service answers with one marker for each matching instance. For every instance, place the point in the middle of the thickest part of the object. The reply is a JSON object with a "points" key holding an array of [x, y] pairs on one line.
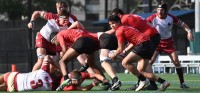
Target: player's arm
{"points": [[88, 87], [35, 15], [111, 31], [77, 25], [189, 32], [121, 45], [128, 48], [97, 76]]}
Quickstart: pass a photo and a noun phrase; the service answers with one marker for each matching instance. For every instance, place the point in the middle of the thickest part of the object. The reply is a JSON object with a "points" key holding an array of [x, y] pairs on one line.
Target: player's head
{"points": [[76, 77], [162, 8], [114, 21], [64, 17], [117, 11], [60, 5]]}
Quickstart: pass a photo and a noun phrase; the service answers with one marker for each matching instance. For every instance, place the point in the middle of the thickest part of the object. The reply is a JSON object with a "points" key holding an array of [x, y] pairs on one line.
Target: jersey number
{"points": [[35, 84]]}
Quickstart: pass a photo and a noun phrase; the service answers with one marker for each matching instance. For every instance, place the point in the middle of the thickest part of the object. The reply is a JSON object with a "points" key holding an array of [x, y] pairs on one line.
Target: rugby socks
{"points": [[153, 83], [179, 71], [115, 79], [141, 77], [84, 68], [160, 80]]}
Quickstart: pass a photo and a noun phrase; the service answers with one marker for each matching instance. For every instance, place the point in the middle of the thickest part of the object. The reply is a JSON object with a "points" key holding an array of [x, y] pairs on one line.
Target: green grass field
{"points": [[192, 80]]}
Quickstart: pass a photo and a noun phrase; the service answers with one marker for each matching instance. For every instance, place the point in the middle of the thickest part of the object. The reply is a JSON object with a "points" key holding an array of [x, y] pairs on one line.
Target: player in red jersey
{"points": [[144, 27], [142, 50], [39, 80], [163, 22], [77, 78], [102, 40]]}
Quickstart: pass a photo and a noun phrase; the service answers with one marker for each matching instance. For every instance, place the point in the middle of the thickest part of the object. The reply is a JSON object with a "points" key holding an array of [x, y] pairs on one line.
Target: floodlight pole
{"points": [[197, 19], [30, 38]]}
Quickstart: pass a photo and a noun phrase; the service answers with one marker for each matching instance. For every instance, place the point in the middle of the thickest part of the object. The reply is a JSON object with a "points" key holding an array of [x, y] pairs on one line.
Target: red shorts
{"points": [[166, 45], [41, 42]]}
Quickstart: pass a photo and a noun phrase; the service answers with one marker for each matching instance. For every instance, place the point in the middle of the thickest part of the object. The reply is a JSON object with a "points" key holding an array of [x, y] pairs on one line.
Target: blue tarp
{"points": [[145, 15]]}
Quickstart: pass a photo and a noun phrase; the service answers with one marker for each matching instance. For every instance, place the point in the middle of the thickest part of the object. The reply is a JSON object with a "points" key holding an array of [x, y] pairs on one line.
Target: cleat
{"points": [[142, 84], [184, 86], [164, 85], [116, 85]]}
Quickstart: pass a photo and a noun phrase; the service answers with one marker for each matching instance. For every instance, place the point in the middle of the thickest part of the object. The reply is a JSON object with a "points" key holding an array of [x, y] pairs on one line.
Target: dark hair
{"points": [[64, 12], [75, 74], [116, 11], [114, 18], [62, 3], [163, 5]]}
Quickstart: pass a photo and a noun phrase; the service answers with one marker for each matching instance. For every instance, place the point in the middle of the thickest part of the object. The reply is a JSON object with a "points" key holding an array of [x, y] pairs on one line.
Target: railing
{"points": [[190, 62]]}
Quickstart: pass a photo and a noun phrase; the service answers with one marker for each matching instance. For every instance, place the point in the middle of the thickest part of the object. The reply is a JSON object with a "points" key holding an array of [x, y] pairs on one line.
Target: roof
{"points": [[145, 15]]}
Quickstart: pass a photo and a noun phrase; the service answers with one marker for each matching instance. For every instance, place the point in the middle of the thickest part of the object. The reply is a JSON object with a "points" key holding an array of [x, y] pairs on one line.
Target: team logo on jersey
{"points": [[169, 24]]}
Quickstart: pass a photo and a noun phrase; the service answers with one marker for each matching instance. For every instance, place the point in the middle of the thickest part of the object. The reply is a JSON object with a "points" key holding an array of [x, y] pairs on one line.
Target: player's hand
{"points": [[112, 55], [95, 82], [190, 36], [63, 84], [31, 24]]}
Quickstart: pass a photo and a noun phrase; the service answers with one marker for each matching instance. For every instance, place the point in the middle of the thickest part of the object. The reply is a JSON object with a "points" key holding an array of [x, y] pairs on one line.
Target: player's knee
{"points": [[124, 64]]}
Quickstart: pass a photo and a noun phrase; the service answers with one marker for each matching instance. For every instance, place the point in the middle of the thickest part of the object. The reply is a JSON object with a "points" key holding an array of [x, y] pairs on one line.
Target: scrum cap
{"points": [[163, 5]]}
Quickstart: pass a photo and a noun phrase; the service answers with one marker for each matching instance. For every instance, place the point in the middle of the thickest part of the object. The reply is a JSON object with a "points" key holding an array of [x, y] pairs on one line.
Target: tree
{"points": [[15, 9]]}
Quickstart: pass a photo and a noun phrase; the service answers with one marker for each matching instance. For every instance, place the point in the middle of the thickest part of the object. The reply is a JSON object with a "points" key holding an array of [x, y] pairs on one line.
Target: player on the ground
{"points": [[39, 80], [77, 78]]}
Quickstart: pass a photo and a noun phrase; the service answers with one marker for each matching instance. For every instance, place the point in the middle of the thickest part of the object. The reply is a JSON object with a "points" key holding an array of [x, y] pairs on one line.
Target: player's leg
{"points": [[179, 69], [152, 85], [2, 83], [41, 53], [83, 61], [46, 64], [127, 63], [104, 59], [2, 79]]}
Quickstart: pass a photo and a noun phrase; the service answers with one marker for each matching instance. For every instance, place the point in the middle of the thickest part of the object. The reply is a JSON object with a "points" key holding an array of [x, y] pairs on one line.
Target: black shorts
{"points": [[108, 41], [155, 40], [84, 45], [144, 50]]}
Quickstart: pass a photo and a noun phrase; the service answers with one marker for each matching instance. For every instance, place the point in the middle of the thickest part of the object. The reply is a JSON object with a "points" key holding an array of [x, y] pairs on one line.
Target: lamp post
{"points": [[30, 38]]}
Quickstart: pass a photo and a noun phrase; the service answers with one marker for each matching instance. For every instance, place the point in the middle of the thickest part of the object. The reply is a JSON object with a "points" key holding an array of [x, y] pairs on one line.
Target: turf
{"points": [[192, 80]]}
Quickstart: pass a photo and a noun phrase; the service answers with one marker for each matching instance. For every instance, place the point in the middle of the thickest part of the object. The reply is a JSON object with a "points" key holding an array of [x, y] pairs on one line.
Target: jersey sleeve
{"points": [[176, 21], [85, 75], [73, 17], [150, 18], [60, 39], [120, 36], [49, 16], [124, 20]]}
